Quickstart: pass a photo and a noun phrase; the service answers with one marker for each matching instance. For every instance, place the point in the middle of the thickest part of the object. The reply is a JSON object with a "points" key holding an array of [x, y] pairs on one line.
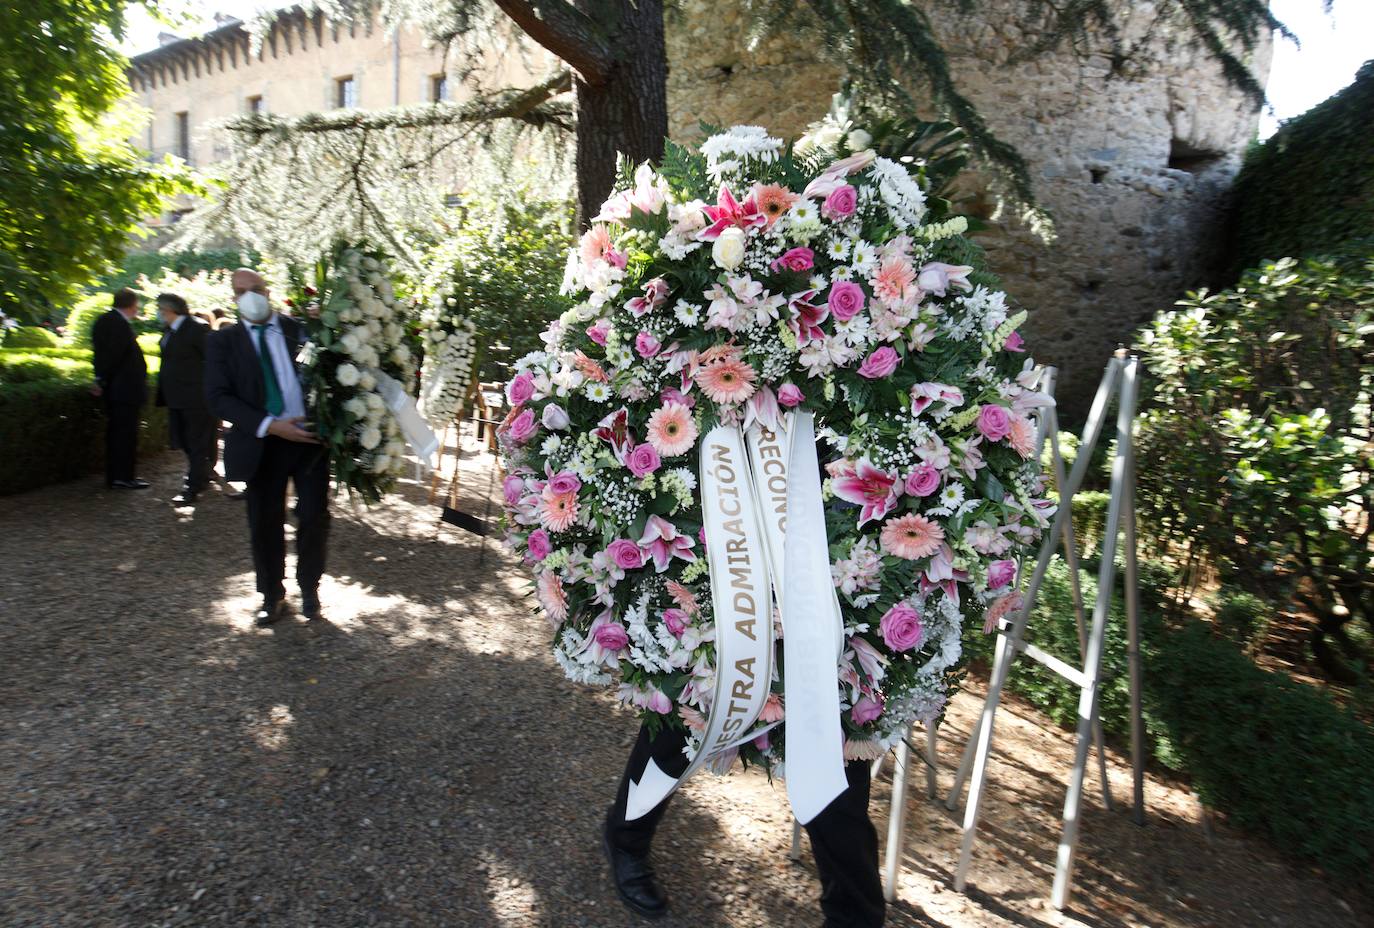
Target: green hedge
{"points": [[30, 336], [1278, 758], [185, 263], [1308, 189], [51, 428]]}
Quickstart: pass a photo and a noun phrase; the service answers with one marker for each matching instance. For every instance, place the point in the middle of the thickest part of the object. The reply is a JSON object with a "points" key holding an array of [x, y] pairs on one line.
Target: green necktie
{"points": [[269, 373]]}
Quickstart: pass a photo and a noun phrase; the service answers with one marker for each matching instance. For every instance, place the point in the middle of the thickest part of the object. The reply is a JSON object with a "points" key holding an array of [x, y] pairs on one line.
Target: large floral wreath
{"points": [[733, 285]]}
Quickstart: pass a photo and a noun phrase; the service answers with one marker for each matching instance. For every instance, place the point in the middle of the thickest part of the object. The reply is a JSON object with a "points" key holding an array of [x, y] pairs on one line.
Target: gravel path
{"points": [[419, 761]]}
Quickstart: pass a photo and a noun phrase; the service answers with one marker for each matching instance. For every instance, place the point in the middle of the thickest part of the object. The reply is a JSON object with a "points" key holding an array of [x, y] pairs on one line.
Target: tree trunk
{"points": [[627, 113]]}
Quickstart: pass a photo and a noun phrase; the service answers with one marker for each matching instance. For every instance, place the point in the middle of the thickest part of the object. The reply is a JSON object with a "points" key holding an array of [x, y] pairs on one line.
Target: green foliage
{"points": [[186, 264], [80, 321], [1308, 189], [1241, 616], [1258, 434], [51, 428], [30, 336], [1278, 758], [74, 187], [501, 266]]}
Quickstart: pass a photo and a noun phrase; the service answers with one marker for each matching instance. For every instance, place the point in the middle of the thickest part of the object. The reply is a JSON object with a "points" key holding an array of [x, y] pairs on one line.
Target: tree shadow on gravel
{"points": [[417, 760]]}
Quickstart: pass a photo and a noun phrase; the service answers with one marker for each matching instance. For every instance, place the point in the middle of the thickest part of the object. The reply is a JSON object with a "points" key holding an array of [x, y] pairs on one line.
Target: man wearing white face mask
{"points": [[251, 381]]}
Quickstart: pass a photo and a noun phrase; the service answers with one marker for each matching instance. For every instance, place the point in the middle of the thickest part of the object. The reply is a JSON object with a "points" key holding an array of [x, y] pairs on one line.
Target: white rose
{"points": [[858, 140], [555, 418], [348, 375], [375, 402], [381, 464], [368, 382], [370, 438], [728, 251], [401, 355], [356, 407], [395, 448]]}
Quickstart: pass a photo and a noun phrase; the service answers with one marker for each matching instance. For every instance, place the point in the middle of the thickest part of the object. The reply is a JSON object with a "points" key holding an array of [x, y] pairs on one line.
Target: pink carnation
{"points": [[881, 363], [901, 627]]}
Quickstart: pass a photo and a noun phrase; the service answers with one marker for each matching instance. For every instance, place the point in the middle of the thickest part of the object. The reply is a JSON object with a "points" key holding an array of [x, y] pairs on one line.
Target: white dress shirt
{"points": [[292, 398]]}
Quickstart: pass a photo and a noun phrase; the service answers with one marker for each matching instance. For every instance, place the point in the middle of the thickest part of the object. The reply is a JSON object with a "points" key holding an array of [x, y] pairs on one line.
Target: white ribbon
{"points": [[764, 520], [416, 430]]}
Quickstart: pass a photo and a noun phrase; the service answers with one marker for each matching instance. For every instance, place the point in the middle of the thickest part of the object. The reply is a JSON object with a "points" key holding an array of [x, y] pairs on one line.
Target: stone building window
{"points": [[346, 93], [183, 137], [438, 88], [255, 105]]}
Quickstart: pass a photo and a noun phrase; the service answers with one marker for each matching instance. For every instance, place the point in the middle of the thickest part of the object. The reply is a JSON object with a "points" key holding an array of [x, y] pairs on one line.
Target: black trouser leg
{"points": [[266, 499], [311, 476], [666, 750], [192, 432], [845, 845], [121, 441]]}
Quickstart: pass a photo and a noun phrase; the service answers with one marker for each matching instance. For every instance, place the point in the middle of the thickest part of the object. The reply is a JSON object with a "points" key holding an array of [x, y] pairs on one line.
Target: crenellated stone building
{"points": [[1134, 167]]}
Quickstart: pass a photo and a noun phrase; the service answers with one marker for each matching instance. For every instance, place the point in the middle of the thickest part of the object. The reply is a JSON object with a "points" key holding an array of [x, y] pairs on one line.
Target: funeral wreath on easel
{"points": [[774, 368]]}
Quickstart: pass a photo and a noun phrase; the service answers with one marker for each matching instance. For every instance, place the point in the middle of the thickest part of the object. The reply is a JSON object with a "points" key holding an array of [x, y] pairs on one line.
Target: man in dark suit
{"points": [[121, 379], [251, 382], [181, 388]]}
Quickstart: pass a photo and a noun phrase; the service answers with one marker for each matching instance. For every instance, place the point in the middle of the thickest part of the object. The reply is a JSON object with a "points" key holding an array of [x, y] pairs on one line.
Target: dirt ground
{"points": [[418, 760]]}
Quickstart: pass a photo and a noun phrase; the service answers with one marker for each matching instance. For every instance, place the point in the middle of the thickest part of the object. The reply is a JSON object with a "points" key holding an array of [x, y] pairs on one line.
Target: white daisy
{"points": [[838, 249], [689, 314], [598, 392]]}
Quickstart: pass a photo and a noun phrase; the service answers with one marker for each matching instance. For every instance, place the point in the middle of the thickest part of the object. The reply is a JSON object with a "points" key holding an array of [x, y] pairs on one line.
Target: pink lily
{"points": [[655, 292], [615, 429], [807, 317], [871, 487], [924, 394], [662, 541], [730, 212], [942, 573], [937, 277], [763, 409]]}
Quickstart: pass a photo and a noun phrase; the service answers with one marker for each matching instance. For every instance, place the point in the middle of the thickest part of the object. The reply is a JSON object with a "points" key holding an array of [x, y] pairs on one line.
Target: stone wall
{"points": [[1135, 168]]}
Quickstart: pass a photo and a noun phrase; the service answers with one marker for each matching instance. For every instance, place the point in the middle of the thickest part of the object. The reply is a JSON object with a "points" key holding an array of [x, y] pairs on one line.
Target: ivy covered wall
{"points": [[1309, 189]]}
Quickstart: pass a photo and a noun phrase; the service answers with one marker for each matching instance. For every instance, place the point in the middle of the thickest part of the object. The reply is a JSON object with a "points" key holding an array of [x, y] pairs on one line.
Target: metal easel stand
{"points": [[1120, 381]]}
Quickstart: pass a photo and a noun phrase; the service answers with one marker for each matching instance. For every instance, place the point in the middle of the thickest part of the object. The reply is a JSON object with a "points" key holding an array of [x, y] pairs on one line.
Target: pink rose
{"points": [[612, 636], [994, 422], [676, 620], [1000, 573], [789, 394], [800, 258], [647, 345], [880, 363], [901, 627], [643, 460], [599, 332], [659, 702], [626, 554], [866, 709], [520, 390], [846, 299], [840, 202], [522, 426], [672, 395], [564, 482], [538, 544], [513, 487], [555, 417], [924, 480], [1015, 343]]}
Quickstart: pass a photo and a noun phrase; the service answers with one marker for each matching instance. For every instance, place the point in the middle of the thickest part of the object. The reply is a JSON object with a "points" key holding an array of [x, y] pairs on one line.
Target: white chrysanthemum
{"points": [[347, 375], [370, 437], [356, 407]]}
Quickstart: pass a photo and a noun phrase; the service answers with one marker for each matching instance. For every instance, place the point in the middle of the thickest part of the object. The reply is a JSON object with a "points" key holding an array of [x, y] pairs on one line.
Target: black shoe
{"points": [[134, 484], [634, 881], [185, 498], [272, 612], [310, 605]]}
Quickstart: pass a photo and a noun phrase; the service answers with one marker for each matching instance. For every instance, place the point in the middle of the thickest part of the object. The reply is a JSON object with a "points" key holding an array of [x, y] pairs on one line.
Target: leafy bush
{"points": [[1241, 616], [51, 428], [82, 318], [156, 265], [1258, 432], [1306, 191], [501, 264], [1278, 758], [31, 336]]}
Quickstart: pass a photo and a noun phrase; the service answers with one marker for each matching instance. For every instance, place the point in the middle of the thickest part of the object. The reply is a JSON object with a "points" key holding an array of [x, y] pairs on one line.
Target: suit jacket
{"points": [[119, 366], [181, 379], [236, 393]]}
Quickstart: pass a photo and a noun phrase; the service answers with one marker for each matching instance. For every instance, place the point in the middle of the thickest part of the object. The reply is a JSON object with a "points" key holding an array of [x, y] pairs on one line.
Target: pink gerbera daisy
{"points": [[595, 244], [557, 510], [590, 369], [773, 200], [894, 276], [727, 381], [911, 537], [1022, 437], [672, 431], [685, 598], [552, 597]]}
